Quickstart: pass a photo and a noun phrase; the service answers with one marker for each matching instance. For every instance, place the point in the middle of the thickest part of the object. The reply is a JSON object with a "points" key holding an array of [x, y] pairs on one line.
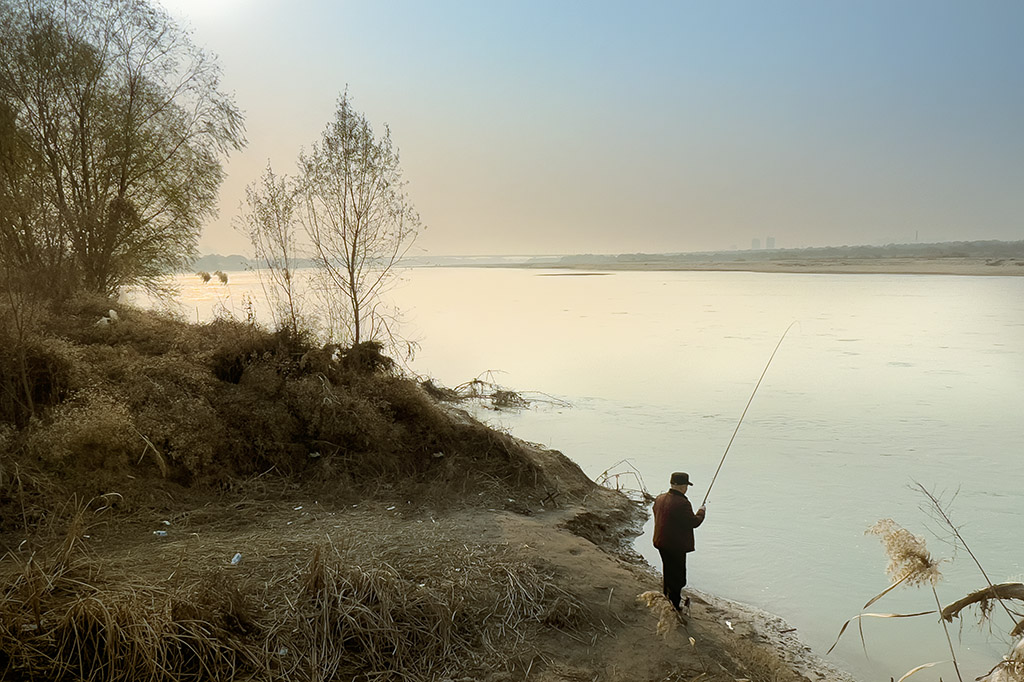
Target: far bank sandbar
{"points": [[1011, 267]]}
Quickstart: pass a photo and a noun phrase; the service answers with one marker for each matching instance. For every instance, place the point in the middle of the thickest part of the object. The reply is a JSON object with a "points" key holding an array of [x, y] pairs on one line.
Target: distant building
{"points": [[755, 244], [769, 243]]}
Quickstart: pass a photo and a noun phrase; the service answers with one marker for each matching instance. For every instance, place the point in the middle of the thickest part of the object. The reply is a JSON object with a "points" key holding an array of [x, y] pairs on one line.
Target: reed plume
{"points": [[909, 558]]}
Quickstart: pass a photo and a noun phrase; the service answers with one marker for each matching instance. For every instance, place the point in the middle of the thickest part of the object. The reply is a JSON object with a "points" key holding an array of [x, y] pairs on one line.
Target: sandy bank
{"points": [[721, 639], [1011, 267]]}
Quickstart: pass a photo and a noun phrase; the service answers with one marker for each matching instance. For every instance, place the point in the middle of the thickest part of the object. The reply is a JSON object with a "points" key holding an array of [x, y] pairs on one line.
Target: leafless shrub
{"points": [[366, 357], [484, 388], [625, 478]]}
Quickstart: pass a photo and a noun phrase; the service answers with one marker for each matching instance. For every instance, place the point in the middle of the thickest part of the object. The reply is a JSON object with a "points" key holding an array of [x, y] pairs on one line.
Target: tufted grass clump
{"points": [[90, 432]]}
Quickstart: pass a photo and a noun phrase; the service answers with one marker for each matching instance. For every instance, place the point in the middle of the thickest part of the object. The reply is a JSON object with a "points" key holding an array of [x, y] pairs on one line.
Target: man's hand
{"points": [[703, 509]]}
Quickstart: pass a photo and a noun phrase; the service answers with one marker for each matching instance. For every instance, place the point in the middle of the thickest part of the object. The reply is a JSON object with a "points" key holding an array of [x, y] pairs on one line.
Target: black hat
{"points": [[680, 478]]}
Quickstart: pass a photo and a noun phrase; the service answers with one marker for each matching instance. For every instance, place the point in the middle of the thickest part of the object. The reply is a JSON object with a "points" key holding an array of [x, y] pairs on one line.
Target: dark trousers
{"points": [[673, 564]]}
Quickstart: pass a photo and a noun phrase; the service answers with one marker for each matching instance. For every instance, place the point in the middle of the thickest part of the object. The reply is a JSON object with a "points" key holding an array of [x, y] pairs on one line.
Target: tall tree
{"points": [[120, 127], [359, 219]]}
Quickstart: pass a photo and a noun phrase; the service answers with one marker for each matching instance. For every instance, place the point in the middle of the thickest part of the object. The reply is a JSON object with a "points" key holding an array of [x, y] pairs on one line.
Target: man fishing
{"points": [[674, 522]]}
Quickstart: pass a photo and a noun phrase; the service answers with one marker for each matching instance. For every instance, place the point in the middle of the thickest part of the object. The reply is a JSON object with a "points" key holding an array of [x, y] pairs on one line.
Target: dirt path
{"points": [[616, 640]]}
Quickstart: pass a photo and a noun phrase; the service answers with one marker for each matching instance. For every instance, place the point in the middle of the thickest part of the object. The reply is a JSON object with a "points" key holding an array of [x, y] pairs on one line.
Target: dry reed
{"points": [[910, 562], [1010, 669], [668, 621]]}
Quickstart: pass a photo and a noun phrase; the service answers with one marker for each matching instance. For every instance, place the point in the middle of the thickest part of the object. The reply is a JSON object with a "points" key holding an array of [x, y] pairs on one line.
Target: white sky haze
{"points": [[607, 127]]}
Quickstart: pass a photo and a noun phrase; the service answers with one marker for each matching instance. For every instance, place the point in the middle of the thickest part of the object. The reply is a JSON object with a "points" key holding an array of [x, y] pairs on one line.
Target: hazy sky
{"points": [[606, 127]]}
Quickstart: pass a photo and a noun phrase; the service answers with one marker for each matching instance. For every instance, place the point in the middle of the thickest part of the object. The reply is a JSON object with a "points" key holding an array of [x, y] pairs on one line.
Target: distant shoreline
{"points": [[970, 258], [1009, 267], [971, 267]]}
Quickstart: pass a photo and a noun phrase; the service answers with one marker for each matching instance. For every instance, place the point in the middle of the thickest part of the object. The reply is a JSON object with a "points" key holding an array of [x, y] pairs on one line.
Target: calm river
{"points": [[885, 380]]}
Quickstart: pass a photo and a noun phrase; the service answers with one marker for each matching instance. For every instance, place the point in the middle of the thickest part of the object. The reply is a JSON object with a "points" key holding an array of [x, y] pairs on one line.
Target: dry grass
{"points": [[148, 405], [358, 610], [151, 397], [1010, 669], [662, 608], [25, 491]]}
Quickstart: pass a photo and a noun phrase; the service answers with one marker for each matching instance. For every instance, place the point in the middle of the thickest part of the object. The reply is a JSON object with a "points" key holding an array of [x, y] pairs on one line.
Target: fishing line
{"points": [[753, 393]]}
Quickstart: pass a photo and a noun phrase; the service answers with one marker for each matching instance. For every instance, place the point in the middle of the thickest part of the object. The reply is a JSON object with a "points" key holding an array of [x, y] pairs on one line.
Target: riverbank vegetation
{"points": [[93, 394], [106, 427]]}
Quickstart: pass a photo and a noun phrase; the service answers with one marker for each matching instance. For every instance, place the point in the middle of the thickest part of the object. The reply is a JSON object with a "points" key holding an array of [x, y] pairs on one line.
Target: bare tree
{"points": [[118, 126], [359, 220], [269, 220]]}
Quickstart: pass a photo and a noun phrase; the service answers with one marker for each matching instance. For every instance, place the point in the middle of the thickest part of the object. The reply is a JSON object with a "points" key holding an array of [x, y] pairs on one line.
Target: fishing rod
{"points": [[753, 393]]}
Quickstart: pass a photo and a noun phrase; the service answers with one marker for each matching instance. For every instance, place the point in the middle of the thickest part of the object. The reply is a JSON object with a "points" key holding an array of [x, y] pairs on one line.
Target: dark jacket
{"points": [[674, 522]]}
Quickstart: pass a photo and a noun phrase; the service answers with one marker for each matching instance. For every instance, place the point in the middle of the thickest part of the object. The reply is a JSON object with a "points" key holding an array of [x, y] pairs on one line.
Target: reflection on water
{"points": [[885, 380]]}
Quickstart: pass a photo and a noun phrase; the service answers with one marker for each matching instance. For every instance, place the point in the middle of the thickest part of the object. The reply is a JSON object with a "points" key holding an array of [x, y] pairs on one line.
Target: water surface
{"points": [[885, 380]]}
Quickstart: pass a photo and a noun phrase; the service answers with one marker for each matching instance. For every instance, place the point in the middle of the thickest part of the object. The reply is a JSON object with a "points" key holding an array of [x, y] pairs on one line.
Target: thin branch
{"points": [[937, 506]]}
